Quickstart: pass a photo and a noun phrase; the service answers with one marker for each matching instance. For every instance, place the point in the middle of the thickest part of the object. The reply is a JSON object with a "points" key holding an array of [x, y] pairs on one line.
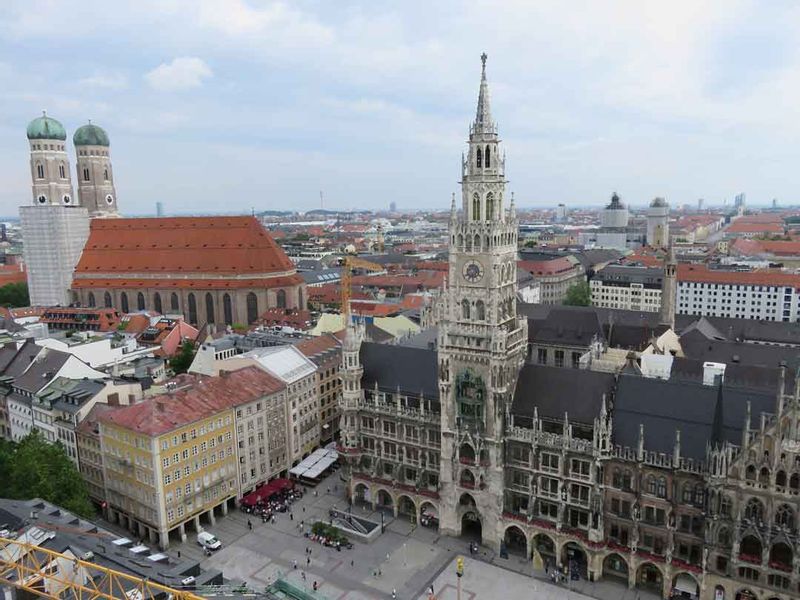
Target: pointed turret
{"points": [[669, 288], [483, 116], [717, 426]]}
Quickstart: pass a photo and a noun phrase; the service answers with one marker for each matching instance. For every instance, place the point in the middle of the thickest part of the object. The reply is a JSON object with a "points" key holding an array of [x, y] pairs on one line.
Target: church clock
{"points": [[472, 271]]}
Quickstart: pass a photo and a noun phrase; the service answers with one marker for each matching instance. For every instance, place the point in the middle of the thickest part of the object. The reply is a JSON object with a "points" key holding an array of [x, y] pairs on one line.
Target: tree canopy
{"points": [[579, 294], [183, 358], [35, 468], [14, 295]]}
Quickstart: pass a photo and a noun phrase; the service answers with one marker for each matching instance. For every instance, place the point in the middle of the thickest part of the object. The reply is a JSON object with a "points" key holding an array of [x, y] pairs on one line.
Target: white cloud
{"points": [[109, 81], [182, 73]]}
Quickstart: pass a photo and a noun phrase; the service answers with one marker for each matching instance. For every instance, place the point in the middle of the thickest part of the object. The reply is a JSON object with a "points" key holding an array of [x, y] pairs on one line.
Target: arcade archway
{"points": [[615, 567], [575, 559], [515, 541]]}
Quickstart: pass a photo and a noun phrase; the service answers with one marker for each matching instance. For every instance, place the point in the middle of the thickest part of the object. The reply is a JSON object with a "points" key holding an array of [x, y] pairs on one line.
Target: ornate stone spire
{"points": [[453, 212], [483, 116]]}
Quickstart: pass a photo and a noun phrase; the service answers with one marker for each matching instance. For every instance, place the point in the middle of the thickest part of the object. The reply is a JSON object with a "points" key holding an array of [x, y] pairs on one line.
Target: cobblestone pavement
{"points": [[405, 558]]}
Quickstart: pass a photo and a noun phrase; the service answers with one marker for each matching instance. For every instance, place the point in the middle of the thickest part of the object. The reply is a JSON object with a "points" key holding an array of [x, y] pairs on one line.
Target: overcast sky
{"points": [[227, 105]]}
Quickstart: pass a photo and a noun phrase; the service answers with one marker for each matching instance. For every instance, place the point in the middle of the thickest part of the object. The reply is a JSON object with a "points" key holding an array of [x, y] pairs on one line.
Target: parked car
{"points": [[208, 541]]}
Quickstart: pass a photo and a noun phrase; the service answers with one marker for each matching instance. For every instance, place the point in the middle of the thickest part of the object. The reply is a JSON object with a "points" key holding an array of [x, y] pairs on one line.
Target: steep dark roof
{"points": [[554, 391], [664, 407], [696, 345], [566, 326], [736, 375], [412, 370], [747, 329]]}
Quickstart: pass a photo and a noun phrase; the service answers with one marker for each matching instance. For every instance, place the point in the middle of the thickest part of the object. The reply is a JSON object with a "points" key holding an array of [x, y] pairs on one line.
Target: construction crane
{"points": [[51, 574], [348, 264]]}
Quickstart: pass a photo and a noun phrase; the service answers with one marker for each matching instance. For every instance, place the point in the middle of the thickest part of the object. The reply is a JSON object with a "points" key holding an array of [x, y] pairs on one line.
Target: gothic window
{"points": [[699, 495], [476, 207], [157, 303], [280, 299], [107, 300], [209, 308], [123, 300], [780, 479], [725, 506], [763, 476], [480, 310], [750, 473], [40, 171], [252, 308], [86, 174], [724, 537], [192, 309], [470, 395], [61, 171], [105, 174], [651, 485], [465, 309], [300, 304], [686, 493], [227, 309], [173, 302], [784, 516], [478, 161], [140, 301], [794, 482], [486, 158], [91, 300], [489, 205], [754, 510]]}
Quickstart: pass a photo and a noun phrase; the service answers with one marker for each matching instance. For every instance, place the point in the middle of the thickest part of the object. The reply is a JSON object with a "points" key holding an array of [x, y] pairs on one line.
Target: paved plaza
{"points": [[405, 558]]}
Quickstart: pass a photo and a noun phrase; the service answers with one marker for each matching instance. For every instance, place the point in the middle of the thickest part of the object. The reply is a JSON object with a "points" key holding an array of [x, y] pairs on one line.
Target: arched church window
{"points": [[105, 174], [300, 304], [107, 300], [476, 207], [754, 510], [85, 174], [91, 300], [465, 308], [40, 171], [123, 301], [61, 171], [480, 310], [140, 301], [252, 308], [192, 309], [209, 308], [487, 159], [227, 309], [478, 160], [490, 206], [280, 299], [157, 303], [784, 516], [173, 302]]}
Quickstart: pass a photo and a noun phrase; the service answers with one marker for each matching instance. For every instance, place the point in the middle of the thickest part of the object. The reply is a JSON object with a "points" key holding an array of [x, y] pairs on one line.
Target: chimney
{"points": [[711, 371]]}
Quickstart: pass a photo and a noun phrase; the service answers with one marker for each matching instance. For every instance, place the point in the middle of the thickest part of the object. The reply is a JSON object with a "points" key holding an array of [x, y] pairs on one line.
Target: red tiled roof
{"points": [[317, 345], [374, 309], [222, 283], [299, 319], [205, 397], [780, 247], [182, 246], [702, 274], [752, 227], [547, 267]]}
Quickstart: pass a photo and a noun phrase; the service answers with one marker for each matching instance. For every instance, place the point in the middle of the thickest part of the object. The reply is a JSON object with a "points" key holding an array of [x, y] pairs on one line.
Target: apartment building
{"points": [[627, 287], [555, 276], [766, 295], [325, 352], [170, 460]]}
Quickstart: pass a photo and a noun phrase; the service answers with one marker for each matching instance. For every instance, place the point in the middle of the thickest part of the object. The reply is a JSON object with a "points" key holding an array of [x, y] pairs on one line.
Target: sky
{"points": [[233, 105]]}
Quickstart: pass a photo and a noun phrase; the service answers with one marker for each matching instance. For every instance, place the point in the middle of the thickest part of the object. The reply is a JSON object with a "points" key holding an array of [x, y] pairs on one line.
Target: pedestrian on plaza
{"points": [[327, 490], [308, 561], [315, 493], [249, 524], [179, 553], [291, 516], [273, 519], [394, 594], [302, 524], [294, 564], [304, 575], [430, 590], [546, 567], [304, 509], [352, 563], [315, 586]]}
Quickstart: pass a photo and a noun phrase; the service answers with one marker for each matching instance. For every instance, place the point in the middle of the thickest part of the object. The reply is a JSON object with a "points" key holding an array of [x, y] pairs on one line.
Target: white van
{"points": [[208, 541]]}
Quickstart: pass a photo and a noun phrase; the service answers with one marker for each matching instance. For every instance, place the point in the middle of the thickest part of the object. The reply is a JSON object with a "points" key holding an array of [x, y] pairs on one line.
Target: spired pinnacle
{"points": [[483, 116], [483, 67]]}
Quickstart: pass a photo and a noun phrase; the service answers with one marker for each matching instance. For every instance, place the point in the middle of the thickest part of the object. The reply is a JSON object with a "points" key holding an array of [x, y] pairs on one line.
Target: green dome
{"points": [[46, 128], [90, 135]]}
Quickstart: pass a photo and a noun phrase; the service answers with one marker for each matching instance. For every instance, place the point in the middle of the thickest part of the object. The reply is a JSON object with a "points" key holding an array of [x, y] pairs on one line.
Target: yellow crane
{"points": [[348, 264], [55, 575]]}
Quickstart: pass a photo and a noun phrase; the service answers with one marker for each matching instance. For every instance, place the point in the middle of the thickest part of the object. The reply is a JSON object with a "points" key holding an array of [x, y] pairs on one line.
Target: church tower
{"points": [[95, 176], [50, 172], [669, 290], [481, 340]]}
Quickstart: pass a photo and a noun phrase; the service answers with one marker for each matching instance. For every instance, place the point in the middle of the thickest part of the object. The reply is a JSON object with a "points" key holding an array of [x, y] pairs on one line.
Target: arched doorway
{"points": [[466, 454], [384, 499], [573, 557], [750, 550], [615, 568], [515, 541], [406, 506], [648, 577], [471, 527], [781, 557], [546, 548], [361, 495], [685, 586]]}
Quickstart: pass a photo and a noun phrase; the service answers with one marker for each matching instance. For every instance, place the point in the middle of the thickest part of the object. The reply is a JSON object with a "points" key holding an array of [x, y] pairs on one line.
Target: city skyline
{"points": [[682, 102]]}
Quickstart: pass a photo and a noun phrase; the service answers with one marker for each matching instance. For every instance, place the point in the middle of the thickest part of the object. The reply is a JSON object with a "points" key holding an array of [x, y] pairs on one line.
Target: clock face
{"points": [[473, 271]]}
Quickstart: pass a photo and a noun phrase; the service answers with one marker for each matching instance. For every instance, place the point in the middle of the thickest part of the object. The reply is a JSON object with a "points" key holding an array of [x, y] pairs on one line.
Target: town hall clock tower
{"points": [[481, 340]]}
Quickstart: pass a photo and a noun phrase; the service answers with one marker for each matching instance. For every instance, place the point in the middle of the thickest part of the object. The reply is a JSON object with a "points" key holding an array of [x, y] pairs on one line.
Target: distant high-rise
{"points": [[658, 223], [739, 202], [699, 204], [159, 209], [774, 203], [561, 213], [393, 207]]}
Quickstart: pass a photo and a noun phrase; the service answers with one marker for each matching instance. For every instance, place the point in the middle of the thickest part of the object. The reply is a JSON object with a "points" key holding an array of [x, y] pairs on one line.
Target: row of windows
{"points": [[62, 172]]}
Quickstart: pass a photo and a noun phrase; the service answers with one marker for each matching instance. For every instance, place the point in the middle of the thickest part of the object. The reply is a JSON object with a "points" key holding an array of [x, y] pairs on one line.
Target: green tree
{"points": [[183, 358], [14, 295], [35, 468], [579, 295]]}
